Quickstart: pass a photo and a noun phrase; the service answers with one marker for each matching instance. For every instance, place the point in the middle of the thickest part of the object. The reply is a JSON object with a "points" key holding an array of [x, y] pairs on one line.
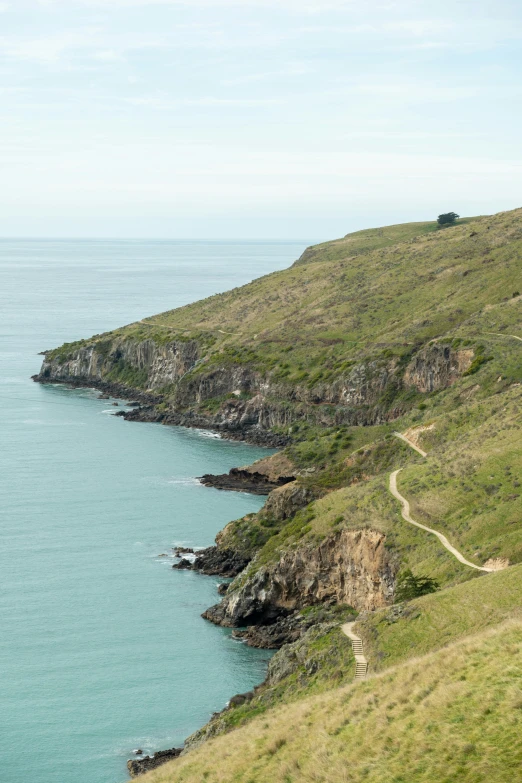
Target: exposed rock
{"points": [[141, 766], [294, 655], [497, 563], [241, 698], [222, 589], [219, 562], [256, 407], [182, 550], [283, 502], [241, 480], [184, 564], [163, 364], [437, 366], [273, 636], [352, 567]]}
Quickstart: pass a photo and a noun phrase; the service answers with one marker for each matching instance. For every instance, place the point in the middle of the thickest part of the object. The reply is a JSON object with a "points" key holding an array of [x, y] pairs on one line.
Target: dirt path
{"points": [[361, 664], [499, 334], [410, 443], [444, 541], [164, 326]]}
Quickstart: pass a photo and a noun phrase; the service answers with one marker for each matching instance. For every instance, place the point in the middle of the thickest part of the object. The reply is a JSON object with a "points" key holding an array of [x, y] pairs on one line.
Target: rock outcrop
{"points": [[219, 562], [141, 766], [260, 478], [437, 366], [241, 480], [283, 502], [352, 567], [110, 360]]}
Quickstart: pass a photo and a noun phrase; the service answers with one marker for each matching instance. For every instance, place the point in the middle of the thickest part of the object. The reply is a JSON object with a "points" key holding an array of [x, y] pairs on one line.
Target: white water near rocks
{"points": [[102, 647]]}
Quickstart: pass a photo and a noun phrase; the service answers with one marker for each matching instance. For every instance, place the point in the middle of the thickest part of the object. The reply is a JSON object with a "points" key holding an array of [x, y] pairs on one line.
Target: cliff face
{"points": [[352, 567], [156, 365], [240, 401], [283, 502], [437, 367]]}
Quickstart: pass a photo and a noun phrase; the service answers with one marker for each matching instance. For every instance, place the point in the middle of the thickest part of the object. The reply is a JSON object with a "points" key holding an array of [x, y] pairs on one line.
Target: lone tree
{"points": [[447, 219], [410, 586]]}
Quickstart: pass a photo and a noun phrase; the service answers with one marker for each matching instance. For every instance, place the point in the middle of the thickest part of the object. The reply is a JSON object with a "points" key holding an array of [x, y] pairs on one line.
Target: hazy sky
{"points": [[255, 118]]}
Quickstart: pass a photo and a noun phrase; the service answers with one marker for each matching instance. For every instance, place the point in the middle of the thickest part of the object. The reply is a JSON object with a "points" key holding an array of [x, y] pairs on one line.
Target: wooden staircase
{"points": [[361, 664]]}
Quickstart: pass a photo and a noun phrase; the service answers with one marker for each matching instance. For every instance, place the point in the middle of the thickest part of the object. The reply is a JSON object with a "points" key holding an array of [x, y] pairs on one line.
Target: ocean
{"points": [[102, 647]]}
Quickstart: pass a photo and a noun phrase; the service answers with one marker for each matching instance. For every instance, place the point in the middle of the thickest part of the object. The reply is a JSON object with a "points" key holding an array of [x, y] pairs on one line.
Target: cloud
{"points": [[93, 42], [166, 103], [297, 70], [109, 55]]}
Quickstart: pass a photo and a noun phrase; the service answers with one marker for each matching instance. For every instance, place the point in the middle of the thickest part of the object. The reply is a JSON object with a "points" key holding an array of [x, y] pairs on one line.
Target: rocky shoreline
{"points": [[143, 764], [213, 562], [241, 480], [149, 412]]}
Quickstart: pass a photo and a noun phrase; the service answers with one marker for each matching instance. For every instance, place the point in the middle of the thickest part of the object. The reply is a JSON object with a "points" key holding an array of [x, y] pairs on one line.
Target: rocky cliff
{"points": [[436, 367], [352, 567], [143, 364], [180, 384]]}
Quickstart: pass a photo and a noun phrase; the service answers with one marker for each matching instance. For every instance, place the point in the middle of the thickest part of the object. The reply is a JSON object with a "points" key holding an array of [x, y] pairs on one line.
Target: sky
{"points": [[255, 118]]}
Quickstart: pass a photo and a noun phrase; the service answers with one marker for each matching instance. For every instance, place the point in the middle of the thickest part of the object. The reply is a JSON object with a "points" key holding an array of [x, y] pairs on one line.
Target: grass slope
{"points": [[429, 623], [453, 715], [380, 293]]}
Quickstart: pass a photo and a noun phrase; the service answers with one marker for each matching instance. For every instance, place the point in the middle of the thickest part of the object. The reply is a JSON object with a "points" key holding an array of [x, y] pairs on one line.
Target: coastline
{"points": [[211, 562], [148, 413]]}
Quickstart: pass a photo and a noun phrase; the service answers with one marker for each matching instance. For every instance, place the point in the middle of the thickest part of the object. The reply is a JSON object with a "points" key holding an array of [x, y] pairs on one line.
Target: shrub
{"points": [[447, 218], [410, 586]]}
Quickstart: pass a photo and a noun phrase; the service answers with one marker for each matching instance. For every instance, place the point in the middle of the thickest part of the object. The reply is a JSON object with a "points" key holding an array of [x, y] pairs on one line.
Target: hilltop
{"points": [[409, 331]]}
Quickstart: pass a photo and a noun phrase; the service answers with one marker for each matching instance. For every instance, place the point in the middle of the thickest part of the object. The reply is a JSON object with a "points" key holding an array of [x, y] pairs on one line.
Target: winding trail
{"points": [[175, 328], [361, 664], [405, 512], [499, 334], [410, 443]]}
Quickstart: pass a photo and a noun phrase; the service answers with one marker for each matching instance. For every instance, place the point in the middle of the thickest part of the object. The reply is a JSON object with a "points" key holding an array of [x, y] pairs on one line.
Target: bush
{"points": [[447, 218], [410, 586]]}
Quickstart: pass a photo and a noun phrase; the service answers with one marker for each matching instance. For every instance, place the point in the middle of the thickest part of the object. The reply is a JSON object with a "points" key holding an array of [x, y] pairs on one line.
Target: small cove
{"points": [[102, 646]]}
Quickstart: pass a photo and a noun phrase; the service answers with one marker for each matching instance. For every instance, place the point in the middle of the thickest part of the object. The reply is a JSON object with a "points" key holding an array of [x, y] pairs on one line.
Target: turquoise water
{"points": [[102, 647]]}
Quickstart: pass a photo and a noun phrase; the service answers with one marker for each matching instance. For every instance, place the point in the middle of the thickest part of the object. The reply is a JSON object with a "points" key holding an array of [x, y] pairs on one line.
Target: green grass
{"points": [[453, 715], [395, 634], [469, 488], [320, 660], [373, 298]]}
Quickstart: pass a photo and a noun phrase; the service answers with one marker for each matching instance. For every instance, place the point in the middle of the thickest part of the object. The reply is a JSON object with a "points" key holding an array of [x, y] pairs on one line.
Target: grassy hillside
{"points": [[381, 293], [429, 623], [322, 659], [467, 488], [369, 239], [452, 715]]}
